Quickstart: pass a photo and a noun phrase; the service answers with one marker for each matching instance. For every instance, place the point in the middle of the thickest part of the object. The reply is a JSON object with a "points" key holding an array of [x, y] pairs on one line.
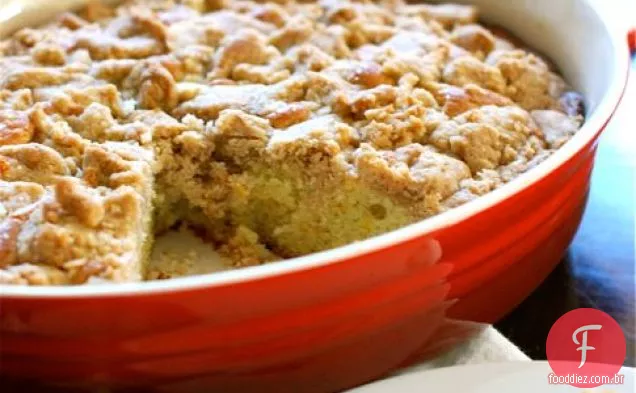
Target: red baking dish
{"points": [[336, 319]]}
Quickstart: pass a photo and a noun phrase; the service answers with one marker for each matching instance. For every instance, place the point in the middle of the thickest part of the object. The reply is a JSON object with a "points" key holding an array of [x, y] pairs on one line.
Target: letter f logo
{"points": [[584, 347]]}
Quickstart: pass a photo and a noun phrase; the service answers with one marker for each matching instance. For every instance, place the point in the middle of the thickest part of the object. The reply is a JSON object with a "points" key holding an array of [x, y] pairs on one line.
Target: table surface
{"points": [[598, 270]]}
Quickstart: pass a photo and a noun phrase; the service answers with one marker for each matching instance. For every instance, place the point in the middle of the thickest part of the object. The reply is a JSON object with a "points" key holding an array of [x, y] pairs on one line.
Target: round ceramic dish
{"points": [[338, 318]]}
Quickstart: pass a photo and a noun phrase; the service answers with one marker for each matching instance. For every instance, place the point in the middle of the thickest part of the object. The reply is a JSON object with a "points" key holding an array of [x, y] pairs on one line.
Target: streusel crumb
{"points": [[275, 129]]}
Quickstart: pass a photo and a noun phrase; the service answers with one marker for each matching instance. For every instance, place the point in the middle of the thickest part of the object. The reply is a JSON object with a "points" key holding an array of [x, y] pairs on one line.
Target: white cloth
{"points": [[488, 346]]}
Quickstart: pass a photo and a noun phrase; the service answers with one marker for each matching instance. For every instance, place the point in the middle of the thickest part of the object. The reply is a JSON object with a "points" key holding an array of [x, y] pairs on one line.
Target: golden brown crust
{"points": [[157, 89], [287, 126], [9, 230], [474, 38], [15, 127], [86, 206], [457, 100]]}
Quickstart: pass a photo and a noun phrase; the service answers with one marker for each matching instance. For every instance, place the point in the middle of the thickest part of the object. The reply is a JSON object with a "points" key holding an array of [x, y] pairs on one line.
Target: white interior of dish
{"points": [[580, 36]]}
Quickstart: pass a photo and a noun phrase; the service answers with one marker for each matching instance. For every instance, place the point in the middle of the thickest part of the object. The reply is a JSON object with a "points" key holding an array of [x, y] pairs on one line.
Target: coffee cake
{"points": [[276, 129]]}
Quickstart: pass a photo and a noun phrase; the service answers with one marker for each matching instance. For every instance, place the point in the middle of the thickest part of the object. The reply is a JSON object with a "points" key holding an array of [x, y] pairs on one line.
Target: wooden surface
{"points": [[599, 268]]}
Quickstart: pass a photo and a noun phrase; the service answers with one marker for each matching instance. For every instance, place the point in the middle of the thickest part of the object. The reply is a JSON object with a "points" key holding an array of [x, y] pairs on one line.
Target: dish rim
{"points": [[594, 124]]}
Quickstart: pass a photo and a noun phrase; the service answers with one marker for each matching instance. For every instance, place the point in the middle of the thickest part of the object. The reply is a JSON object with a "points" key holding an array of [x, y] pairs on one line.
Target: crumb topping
{"points": [[276, 128]]}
